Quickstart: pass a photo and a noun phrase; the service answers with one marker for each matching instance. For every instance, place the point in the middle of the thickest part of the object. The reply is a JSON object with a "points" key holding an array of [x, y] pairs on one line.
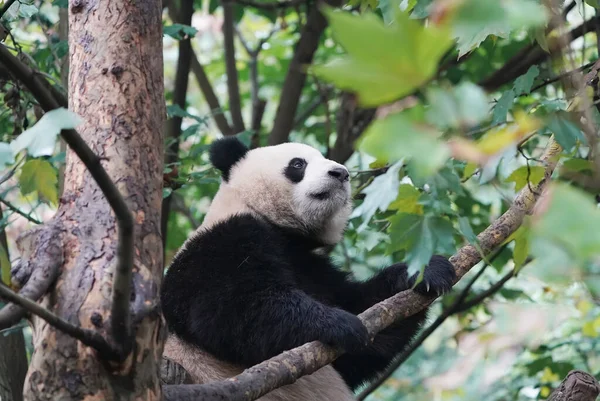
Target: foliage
{"points": [[443, 158]]}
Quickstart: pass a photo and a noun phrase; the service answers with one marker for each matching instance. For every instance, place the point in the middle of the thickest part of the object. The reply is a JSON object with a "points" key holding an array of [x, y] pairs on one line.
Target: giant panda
{"points": [[253, 280]]}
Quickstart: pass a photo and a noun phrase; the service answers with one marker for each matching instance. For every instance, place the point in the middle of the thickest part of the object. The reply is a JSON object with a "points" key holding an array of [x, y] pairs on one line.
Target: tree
{"points": [[455, 117]]}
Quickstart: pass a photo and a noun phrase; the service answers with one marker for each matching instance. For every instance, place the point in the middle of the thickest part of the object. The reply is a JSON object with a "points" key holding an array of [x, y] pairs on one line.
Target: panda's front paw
{"points": [[346, 331], [438, 277]]}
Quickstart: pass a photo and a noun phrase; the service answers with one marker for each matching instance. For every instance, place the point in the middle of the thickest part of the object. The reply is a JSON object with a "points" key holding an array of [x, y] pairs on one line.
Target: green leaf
{"points": [[570, 223], [467, 230], [383, 62], [180, 31], [40, 139], [524, 174], [39, 176], [524, 83], [578, 165], [27, 10], [6, 154], [61, 3], [407, 200], [477, 19], [464, 105], [4, 266], [521, 251], [400, 135], [566, 133], [503, 105], [379, 194], [420, 237], [593, 3]]}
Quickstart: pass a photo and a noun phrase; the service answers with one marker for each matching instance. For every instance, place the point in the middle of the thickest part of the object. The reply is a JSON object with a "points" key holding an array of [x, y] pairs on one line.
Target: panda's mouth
{"points": [[320, 195]]}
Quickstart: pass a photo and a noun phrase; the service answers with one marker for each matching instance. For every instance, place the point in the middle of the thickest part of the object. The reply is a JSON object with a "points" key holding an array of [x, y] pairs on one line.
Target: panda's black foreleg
{"points": [[360, 367]]}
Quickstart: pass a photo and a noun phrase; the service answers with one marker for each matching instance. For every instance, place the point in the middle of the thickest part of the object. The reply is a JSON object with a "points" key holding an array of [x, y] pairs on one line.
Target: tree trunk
{"points": [[13, 355], [13, 366], [116, 86], [576, 386]]}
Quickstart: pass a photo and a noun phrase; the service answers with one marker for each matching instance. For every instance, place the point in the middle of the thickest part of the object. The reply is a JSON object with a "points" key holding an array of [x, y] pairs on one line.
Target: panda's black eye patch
{"points": [[295, 170]]}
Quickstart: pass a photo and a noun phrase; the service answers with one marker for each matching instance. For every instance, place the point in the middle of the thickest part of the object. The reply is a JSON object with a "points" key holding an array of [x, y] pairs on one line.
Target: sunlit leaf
{"points": [[40, 139], [494, 141], [521, 251], [383, 62], [407, 200], [524, 174], [402, 135], [4, 265], [39, 176], [379, 194]]}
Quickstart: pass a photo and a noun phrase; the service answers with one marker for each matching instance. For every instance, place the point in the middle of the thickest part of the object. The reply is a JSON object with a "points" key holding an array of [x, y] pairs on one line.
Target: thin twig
{"points": [[87, 337], [121, 291], [18, 211]]}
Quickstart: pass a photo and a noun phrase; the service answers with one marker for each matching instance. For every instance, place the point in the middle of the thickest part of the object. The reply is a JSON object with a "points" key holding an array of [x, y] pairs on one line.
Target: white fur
{"points": [[257, 185]]}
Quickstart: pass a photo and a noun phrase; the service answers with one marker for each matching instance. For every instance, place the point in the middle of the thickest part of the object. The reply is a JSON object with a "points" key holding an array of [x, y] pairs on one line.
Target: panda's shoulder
{"points": [[238, 234]]}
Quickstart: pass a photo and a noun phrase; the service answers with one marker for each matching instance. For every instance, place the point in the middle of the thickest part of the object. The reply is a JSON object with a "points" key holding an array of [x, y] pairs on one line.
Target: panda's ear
{"points": [[226, 152]]}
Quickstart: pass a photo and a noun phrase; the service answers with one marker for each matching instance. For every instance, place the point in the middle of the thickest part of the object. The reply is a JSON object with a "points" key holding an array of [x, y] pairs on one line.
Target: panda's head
{"points": [[291, 185]]}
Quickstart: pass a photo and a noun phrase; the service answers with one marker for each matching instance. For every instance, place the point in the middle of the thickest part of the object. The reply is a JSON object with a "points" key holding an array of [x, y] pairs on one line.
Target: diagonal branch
{"points": [[210, 97], [233, 87], [286, 368], [531, 55], [121, 291], [87, 337], [296, 77]]}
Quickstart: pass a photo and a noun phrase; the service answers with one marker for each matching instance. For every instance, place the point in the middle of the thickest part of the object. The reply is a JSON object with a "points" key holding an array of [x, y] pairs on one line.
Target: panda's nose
{"points": [[339, 173]]}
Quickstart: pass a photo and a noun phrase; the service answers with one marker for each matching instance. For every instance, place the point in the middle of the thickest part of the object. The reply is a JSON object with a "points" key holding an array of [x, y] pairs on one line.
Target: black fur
{"points": [[295, 170], [226, 152], [246, 290]]}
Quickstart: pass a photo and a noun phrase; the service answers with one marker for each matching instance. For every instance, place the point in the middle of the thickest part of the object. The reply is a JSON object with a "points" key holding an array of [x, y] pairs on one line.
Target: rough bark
{"points": [[13, 366], [287, 367], [576, 386], [116, 86]]}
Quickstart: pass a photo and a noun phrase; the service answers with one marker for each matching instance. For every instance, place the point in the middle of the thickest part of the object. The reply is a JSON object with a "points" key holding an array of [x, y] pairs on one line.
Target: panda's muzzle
{"points": [[339, 173]]}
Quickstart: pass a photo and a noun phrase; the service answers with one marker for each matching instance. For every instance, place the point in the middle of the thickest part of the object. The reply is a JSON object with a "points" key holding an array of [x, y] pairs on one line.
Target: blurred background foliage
{"points": [[441, 109]]}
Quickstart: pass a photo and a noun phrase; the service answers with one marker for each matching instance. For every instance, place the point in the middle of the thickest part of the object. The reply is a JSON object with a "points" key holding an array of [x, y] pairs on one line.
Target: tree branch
{"points": [[457, 306], [531, 55], [18, 211], [87, 337], [576, 386], [210, 97], [121, 290], [233, 87], [296, 76], [183, 16], [286, 368], [41, 251]]}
